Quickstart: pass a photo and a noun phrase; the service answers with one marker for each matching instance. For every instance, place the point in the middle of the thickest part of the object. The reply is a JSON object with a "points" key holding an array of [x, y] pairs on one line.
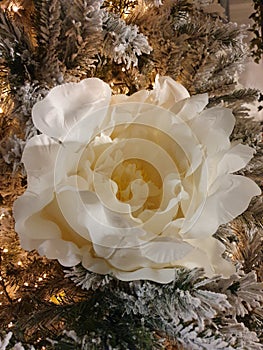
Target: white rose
{"points": [[133, 186]]}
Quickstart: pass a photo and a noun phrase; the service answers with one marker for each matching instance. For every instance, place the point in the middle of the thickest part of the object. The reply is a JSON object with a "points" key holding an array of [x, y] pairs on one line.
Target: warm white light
{"points": [[2, 215], [10, 324], [19, 263], [26, 284], [5, 250], [1, 111], [14, 8]]}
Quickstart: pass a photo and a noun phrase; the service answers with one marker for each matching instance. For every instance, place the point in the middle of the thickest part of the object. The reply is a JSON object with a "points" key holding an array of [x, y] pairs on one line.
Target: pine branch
{"points": [[81, 33], [48, 24], [16, 48], [123, 43]]}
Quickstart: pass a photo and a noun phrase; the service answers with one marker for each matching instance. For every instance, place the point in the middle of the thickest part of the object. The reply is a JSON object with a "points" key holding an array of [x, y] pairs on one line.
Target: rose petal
{"points": [[232, 198], [105, 229], [164, 275], [40, 173], [94, 264], [67, 253], [28, 204], [165, 250], [235, 159], [189, 108], [65, 105], [208, 255], [219, 123], [167, 92]]}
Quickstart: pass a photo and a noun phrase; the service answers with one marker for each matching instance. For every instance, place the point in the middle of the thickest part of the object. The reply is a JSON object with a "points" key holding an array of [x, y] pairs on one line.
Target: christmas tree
{"points": [[145, 50]]}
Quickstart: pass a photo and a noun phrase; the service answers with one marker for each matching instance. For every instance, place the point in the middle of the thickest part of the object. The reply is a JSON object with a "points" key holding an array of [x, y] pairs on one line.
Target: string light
{"points": [[58, 298], [13, 7], [1, 111], [19, 263], [123, 69], [5, 250], [26, 284], [10, 324]]}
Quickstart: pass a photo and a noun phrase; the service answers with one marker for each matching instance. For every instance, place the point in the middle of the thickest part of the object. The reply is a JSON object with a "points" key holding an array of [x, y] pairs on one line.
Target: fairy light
{"points": [[10, 324], [5, 250], [26, 284], [40, 279], [19, 263], [1, 111], [13, 7], [123, 69], [36, 285], [45, 275]]}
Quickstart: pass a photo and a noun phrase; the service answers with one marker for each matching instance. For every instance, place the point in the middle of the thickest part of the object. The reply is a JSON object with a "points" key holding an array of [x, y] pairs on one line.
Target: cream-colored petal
{"points": [[90, 219], [94, 264], [167, 92], [156, 221], [27, 205], [207, 253], [213, 128], [39, 158], [66, 105], [236, 158], [164, 275], [67, 253], [232, 198], [166, 250], [189, 108], [129, 259]]}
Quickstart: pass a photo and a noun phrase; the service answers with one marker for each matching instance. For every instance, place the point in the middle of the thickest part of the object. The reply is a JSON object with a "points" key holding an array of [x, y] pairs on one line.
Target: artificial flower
{"points": [[132, 186]]}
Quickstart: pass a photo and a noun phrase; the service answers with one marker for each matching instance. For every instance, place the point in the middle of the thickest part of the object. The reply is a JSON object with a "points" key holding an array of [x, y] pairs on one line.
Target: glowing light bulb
{"points": [[1, 111], [14, 7]]}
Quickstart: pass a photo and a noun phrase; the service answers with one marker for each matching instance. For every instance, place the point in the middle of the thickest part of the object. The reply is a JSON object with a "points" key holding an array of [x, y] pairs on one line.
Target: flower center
{"points": [[125, 175]]}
